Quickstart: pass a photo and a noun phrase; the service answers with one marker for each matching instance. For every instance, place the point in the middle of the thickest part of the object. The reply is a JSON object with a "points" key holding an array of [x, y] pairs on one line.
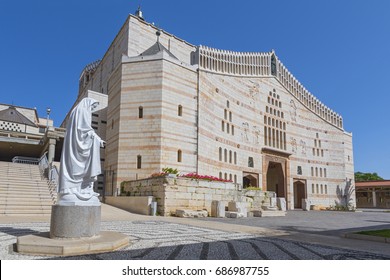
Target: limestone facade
{"points": [[238, 116]]}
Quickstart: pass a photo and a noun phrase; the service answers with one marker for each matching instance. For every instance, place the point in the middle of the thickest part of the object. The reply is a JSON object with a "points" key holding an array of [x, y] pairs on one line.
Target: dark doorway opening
{"points": [[250, 180], [275, 179], [299, 193]]}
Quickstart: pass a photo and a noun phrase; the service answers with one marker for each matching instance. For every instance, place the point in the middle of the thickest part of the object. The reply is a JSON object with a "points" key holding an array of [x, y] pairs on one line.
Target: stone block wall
{"points": [[183, 193]]}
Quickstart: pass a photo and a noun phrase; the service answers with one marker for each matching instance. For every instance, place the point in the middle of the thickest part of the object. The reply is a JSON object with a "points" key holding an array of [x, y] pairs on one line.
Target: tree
{"points": [[362, 177]]}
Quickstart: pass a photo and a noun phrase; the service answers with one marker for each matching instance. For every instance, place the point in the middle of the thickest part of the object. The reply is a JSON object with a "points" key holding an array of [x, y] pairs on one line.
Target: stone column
{"points": [[374, 198], [52, 149]]}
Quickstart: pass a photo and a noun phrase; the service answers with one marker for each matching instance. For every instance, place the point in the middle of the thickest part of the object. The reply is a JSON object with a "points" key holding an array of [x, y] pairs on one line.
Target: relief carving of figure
{"points": [[303, 144], [294, 145], [245, 132], [80, 158], [254, 90], [293, 111], [256, 138]]}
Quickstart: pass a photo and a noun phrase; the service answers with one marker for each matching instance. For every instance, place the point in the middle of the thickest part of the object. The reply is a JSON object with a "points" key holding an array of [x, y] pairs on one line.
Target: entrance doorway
{"points": [[275, 179], [299, 193]]}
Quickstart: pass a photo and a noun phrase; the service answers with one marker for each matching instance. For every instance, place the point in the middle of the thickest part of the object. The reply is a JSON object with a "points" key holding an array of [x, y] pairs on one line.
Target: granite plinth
{"points": [[42, 244], [74, 221]]}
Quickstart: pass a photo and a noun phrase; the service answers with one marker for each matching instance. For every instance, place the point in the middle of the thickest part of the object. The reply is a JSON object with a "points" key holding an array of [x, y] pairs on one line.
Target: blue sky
{"points": [[339, 50]]}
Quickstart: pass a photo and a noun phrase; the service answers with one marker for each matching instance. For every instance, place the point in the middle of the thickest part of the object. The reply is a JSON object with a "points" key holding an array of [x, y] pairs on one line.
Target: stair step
{"points": [[24, 203], [20, 188], [23, 207], [25, 186], [26, 212]]}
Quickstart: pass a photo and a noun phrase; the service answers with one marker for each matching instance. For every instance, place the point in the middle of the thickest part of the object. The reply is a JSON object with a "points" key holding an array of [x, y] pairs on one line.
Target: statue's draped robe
{"points": [[80, 158]]}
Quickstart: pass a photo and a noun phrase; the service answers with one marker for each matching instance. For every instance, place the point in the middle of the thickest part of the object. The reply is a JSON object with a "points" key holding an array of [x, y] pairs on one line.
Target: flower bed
{"points": [[196, 176], [159, 174]]}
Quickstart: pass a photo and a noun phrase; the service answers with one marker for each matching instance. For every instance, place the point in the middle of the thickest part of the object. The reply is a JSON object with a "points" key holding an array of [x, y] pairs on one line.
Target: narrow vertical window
{"points": [[179, 156], [325, 172], [225, 155], [220, 175], [180, 110], [235, 157], [312, 188], [223, 126], [230, 157], [139, 162], [250, 162], [225, 115], [269, 136], [273, 137], [282, 144], [232, 129], [230, 117], [140, 112], [326, 189], [220, 154]]}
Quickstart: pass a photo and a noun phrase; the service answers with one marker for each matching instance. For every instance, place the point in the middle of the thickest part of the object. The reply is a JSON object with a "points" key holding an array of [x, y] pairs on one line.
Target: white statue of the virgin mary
{"points": [[80, 158]]}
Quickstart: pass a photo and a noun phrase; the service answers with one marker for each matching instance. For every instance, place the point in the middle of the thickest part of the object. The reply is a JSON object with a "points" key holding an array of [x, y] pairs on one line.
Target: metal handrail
{"points": [[25, 160], [53, 176], [43, 164], [50, 173]]}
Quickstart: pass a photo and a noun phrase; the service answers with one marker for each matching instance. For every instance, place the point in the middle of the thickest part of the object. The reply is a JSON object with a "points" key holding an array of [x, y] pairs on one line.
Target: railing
{"points": [[50, 173], [54, 176], [25, 160]]}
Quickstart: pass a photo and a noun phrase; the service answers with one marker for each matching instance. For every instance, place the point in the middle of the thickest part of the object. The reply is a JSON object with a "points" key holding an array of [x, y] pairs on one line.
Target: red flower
{"points": [[196, 176]]}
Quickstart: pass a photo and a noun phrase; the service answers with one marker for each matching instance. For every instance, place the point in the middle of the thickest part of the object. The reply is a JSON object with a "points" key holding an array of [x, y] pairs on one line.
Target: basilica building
{"points": [[239, 116]]}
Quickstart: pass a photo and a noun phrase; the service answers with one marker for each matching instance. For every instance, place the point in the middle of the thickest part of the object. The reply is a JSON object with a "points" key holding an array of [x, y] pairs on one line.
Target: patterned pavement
{"points": [[156, 240]]}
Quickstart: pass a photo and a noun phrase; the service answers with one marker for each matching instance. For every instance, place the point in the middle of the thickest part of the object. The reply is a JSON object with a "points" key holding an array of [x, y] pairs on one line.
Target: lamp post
{"points": [[48, 110]]}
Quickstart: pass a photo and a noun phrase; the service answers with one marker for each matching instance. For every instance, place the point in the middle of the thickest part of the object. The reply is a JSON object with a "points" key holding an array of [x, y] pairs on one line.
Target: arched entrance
{"points": [[276, 174], [299, 193], [276, 179]]}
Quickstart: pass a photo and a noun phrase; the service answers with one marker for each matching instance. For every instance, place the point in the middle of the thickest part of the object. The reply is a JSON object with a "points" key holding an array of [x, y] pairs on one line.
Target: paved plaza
{"points": [[299, 235]]}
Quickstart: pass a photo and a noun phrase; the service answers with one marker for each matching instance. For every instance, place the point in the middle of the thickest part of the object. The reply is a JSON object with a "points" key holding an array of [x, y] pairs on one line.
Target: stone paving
{"points": [[159, 240]]}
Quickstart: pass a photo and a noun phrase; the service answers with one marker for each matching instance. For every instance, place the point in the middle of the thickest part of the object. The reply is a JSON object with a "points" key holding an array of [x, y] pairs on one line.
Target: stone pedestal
{"points": [[305, 204], [281, 203], [272, 201], [74, 221], [217, 209], [238, 207]]}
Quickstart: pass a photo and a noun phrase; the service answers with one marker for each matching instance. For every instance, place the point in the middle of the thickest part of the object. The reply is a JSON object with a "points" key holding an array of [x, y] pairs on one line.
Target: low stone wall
{"points": [[183, 193], [133, 204]]}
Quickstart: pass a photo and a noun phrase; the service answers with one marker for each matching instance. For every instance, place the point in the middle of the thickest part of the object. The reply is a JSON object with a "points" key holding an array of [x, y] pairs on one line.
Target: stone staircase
{"points": [[23, 191]]}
